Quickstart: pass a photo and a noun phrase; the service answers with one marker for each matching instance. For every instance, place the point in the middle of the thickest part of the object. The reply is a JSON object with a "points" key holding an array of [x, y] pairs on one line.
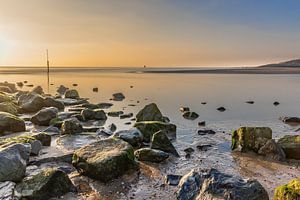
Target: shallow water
{"points": [[170, 92]]}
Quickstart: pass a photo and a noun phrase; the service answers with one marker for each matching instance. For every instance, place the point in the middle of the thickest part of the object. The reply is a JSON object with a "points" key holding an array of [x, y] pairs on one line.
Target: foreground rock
{"points": [[104, 160], [291, 146], [149, 113], [13, 162], [11, 123], [288, 191], [44, 116], [217, 185], [148, 128], [161, 141], [151, 155], [50, 182]]}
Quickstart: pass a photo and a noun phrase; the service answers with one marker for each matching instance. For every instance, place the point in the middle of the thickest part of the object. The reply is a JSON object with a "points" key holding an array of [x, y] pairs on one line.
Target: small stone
{"points": [[202, 123], [190, 115], [221, 109], [118, 97], [250, 102], [206, 131], [203, 147], [184, 109], [172, 179], [276, 103], [150, 155], [95, 89]]}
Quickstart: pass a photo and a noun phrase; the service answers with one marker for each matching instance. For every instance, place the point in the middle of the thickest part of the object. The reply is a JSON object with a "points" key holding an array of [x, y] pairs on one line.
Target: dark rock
{"points": [[124, 116], [189, 150], [11, 86], [202, 123], [115, 113], [71, 126], [272, 150], [161, 141], [118, 97], [44, 116], [104, 132], [71, 94], [150, 155], [132, 136], [100, 114], [203, 103], [104, 105], [44, 138], [250, 102], [221, 109], [52, 129], [31, 102], [292, 120], [11, 123], [75, 84], [190, 115], [291, 146], [95, 89], [5, 89], [38, 90], [184, 109], [51, 102], [173, 179], [206, 131], [87, 114], [149, 113], [276, 103], [127, 123], [20, 84], [203, 147], [62, 89], [112, 127]]}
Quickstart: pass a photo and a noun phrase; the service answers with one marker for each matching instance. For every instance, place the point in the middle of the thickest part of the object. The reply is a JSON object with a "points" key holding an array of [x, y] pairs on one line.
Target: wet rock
{"points": [[291, 146], [13, 162], [71, 126], [250, 102], [71, 94], [203, 103], [132, 136], [190, 115], [161, 141], [11, 86], [104, 132], [118, 97], [184, 109], [36, 147], [44, 116], [11, 123], [292, 120], [217, 185], [71, 102], [20, 84], [95, 89], [203, 147], [5, 89], [104, 105], [38, 90], [31, 102], [221, 109], [105, 159], [151, 155], [100, 114], [289, 191], [250, 138], [112, 127], [4, 98], [51, 102], [75, 84], [148, 128], [206, 131], [124, 116], [202, 123], [62, 89], [9, 107], [173, 179], [149, 113], [127, 123], [87, 114], [44, 138], [115, 113], [7, 190], [189, 150], [52, 129], [272, 150], [56, 122], [50, 182], [276, 103]]}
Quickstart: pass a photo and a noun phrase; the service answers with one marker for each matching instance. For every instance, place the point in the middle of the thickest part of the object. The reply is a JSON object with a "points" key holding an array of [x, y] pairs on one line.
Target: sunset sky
{"points": [[149, 32]]}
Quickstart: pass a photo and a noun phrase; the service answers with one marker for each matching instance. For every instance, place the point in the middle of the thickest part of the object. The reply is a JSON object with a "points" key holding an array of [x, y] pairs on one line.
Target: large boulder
{"points": [[289, 191], [151, 155], [105, 159], [31, 102], [9, 107], [250, 138], [13, 162], [132, 136], [161, 141], [50, 182], [149, 113], [44, 116], [51, 102], [148, 128], [216, 185], [291, 146], [11, 123], [72, 94], [71, 126]]}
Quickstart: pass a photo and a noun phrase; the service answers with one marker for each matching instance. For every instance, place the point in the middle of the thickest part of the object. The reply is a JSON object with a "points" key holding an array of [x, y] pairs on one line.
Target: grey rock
{"points": [[272, 150], [87, 114], [151, 155], [161, 141], [149, 113], [115, 113], [62, 89], [118, 96], [100, 114], [38, 90], [190, 115], [71, 126], [31, 102], [51, 102], [11, 123], [36, 147], [132, 136], [72, 94], [44, 116]]}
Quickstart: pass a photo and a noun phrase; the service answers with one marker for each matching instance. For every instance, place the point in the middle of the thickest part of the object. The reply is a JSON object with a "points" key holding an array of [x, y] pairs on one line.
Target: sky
{"points": [[162, 33]]}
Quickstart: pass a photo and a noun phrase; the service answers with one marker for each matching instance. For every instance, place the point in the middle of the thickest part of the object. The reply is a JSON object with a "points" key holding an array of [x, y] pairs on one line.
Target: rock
{"points": [[206, 131], [71, 102], [36, 147], [276, 103], [173, 179], [250, 138], [13, 162], [71, 126], [9, 107], [105, 159], [100, 114], [291, 146], [56, 122], [112, 127], [44, 138], [203, 103], [31, 102], [203, 147], [115, 113], [51, 102], [184, 109], [202, 123], [87, 114], [7, 190], [104, 132], [62, 89], [52, 129], [72, 94], [250, 102], [20, 84], [189, 150], [75, 84], [124, 116], [148, 128], [50, 182], [217, 185], [290, 191], [161, 141], [38, 90], [95, 89], [190, 115], [5, 89], [104, 105], [221, 109], [118, 97], [272, 150], [4, 98], [11, 86], [150, 155], [44, 116], [11, 123], [132, 136], [149, 113], [291, 120]]}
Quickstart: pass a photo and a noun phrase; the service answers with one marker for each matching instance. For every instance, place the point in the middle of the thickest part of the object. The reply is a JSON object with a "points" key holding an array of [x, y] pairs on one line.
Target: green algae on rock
{"points": [[11, 123], [291, 146], [290, 191], [9, 107], [50, 182], [105, 159]]}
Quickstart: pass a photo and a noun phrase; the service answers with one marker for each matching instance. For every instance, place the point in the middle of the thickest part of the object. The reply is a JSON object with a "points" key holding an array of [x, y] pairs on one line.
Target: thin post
{"points": [[48, 69]]}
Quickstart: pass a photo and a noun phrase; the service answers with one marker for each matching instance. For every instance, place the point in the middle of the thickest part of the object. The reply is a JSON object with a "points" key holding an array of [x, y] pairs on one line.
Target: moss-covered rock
{"points": [[50, 182], [250, 138], [291, 146], [149, 113], [290, 191], [104, 160], [148, 128], [11, 123], [9, 107]]}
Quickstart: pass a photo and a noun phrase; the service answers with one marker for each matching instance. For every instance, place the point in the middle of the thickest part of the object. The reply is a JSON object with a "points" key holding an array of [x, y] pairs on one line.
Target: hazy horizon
{"points": [[156, 33]]}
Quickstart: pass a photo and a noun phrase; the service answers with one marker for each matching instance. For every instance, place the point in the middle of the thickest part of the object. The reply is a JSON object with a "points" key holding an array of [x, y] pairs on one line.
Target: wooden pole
{"points": [[48, 69]]}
